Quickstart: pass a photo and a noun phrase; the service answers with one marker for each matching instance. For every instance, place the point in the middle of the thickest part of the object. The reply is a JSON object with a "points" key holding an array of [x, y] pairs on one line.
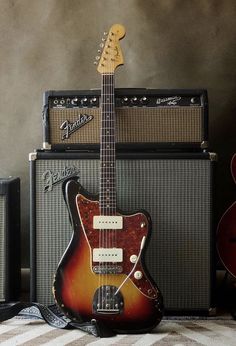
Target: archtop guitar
{"points": [[102, 274], [226, 232]]}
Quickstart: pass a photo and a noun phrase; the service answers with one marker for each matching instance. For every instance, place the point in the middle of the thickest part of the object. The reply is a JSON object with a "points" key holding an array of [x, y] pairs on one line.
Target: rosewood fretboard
{"points": [[107, 197]]}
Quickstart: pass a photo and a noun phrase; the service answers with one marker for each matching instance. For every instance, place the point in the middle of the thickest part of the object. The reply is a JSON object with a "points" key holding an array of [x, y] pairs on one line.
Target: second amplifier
{"points": [[146, 119]]}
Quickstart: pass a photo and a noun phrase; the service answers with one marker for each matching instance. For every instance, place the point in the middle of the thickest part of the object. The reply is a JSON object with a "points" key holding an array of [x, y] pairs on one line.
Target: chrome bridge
{"points": [[107, 269], [105, 301]]}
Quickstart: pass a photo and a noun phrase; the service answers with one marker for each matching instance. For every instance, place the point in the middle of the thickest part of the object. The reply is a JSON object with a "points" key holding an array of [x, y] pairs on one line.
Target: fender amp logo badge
{"points": [[70, 128], [51, 178], [170, 101]]}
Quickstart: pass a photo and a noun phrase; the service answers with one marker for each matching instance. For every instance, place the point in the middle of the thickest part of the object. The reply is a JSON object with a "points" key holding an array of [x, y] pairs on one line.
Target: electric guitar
{"points": [[226, 232], [102, 274]]}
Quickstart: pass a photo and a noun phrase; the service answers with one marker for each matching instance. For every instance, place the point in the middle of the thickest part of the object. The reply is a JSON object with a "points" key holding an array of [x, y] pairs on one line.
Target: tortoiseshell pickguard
{"points": [[135, 227]]}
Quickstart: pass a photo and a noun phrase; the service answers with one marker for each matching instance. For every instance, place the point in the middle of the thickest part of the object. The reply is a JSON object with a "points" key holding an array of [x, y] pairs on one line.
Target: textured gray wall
{"points": [[51, 44]]}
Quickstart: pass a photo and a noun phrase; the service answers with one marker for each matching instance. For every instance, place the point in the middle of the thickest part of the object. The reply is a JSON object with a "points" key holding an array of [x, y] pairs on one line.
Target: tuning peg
{"points": [[101, 45], [95, 62], [105, 33], [99, 50], [103, 39], [97, 57]]}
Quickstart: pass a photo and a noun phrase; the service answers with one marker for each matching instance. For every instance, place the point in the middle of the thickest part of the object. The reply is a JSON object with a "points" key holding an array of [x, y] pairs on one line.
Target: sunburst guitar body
{"points": [[88, 287], [102, 274]]}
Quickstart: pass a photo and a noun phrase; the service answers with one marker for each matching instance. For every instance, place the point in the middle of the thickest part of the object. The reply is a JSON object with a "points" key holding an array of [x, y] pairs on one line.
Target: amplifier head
{"points": [[9, 239], [175, 189], [146, 118]]}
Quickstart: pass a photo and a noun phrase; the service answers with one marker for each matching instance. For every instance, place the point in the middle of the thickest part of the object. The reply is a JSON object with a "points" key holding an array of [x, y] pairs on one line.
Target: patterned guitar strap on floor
{"points": [[53, 316]]}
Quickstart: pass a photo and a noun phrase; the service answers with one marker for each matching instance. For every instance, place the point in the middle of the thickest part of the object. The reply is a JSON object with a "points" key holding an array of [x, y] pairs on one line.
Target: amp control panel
{"points": [[125, 98]]}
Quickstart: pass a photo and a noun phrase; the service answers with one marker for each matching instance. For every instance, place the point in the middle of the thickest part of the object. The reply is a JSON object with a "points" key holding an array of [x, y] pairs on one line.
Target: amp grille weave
{"points": [[176, 193], [134, 125]]}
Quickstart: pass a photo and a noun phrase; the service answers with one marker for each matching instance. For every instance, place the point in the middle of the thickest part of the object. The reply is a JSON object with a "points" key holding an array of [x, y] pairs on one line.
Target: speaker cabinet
{"points": [[9, 239], [145, 118], [176, 190]]}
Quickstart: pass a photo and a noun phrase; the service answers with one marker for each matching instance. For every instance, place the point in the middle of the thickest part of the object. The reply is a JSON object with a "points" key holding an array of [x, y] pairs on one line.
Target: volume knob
{"points": [[138, 275]]}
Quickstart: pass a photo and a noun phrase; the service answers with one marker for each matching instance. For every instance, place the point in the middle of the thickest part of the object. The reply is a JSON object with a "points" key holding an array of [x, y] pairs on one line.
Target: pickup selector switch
{"points": [[138, 275]]}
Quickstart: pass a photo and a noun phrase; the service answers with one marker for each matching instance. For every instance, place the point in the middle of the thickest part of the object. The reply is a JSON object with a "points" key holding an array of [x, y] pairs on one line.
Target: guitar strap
{"points": [[53, 316]]}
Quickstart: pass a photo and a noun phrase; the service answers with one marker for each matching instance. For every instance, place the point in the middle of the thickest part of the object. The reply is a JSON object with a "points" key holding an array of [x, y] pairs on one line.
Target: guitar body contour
{"points": [[87, 289], [226, 232]]}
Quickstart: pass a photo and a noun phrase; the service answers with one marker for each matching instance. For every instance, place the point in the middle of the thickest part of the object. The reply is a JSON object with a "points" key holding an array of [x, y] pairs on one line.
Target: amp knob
{"points": [[134, 100], [84, 101], [144, 100], [93, 101], [74, 101], [125, 100]]}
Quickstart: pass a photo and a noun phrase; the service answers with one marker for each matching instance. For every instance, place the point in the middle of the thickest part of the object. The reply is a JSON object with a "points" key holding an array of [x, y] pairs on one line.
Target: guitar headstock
{"points": [[111, 55]]}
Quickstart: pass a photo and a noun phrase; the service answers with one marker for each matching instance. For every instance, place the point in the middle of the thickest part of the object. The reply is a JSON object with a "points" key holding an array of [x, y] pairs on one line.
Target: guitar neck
{"points": [[107, 196]]}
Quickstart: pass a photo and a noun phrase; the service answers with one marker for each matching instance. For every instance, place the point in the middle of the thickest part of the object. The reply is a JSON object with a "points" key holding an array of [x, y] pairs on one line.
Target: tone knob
{"points": [[138, 275], [84, 101], [133, 258], [134, 100], [62, 101], [144, 100]]}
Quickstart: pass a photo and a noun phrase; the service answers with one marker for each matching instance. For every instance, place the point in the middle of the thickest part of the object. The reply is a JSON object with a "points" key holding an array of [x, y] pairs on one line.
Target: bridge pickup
{"points": [[108, 255], [107, 222]]}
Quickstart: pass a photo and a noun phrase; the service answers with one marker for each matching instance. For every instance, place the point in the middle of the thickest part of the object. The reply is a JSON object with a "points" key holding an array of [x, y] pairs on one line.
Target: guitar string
{"points": [[102, 182], [112, 154], [100, 189], [107, 201]]}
